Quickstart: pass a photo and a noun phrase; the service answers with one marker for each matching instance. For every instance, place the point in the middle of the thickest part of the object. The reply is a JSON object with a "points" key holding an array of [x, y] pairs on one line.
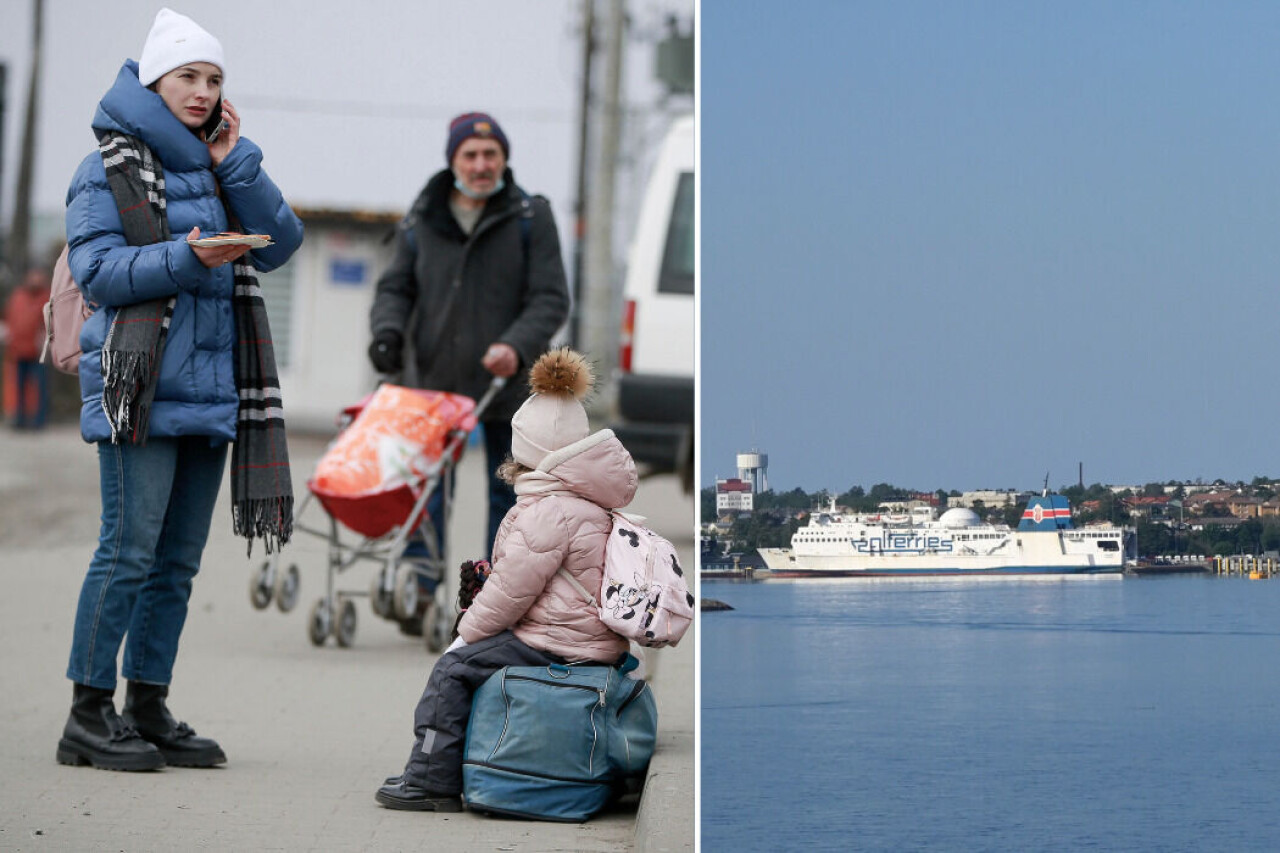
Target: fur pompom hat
{"points": [[553, 417], [176, 40]]}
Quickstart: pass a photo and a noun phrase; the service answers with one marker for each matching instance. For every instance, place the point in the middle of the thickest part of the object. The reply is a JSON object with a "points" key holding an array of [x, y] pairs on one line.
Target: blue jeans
{"points": [[31, 372], [497, 444], [157, 504]]}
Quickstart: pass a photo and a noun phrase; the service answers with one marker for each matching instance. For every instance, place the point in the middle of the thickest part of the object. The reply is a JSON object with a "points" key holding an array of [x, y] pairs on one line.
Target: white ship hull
{"points": [[836, 545], [1041, 553]]}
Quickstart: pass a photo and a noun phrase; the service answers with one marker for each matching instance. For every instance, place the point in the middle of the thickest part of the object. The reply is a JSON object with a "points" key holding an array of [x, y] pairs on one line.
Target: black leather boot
{"points": [[408, 791], [145, 709], [95, 734], [399, 793]]}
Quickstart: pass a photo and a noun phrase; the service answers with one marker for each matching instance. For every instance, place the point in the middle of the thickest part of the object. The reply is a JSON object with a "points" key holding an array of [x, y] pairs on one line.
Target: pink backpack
{"points": [[644, 595], [64, 316]]}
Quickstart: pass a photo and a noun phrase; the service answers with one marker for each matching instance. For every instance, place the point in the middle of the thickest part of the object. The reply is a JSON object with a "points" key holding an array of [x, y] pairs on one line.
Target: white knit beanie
{"points": [[176, 40], [553, 417]]}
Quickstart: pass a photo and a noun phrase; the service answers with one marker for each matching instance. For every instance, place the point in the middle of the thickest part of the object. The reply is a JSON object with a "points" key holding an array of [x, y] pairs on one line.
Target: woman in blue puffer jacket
{"points": [[158, 490]]}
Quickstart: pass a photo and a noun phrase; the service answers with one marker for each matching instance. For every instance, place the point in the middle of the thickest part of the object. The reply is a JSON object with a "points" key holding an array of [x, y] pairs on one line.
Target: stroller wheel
{"points": [[260, 588], [411, 627], [406, 595], [286, 590], [382, 602], [437, 626], [344, 627], [320, 622], [431, 628]]}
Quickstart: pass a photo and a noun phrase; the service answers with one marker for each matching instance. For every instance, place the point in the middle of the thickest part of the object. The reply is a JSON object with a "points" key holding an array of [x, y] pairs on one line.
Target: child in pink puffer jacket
{"points": [[566, 480]]}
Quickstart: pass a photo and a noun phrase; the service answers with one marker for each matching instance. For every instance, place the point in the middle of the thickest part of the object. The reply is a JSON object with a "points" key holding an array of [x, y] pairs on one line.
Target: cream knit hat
{"points": [[176, 40], [553, 417]]}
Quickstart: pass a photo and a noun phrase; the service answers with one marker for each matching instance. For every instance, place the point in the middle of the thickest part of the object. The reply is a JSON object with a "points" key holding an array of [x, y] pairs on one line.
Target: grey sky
{"points": [[349, 101], [961, 245]]}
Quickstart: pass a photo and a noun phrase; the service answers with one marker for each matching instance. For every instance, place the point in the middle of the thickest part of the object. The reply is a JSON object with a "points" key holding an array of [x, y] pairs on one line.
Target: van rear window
{"points": [[677, 257]]}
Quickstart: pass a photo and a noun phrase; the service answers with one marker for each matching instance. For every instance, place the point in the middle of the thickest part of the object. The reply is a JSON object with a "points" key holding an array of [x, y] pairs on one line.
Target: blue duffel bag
{"points": [[557, 742]]}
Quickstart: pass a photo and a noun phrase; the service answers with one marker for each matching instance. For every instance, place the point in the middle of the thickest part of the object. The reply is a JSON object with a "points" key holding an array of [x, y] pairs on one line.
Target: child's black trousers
{"points": [[440, 720]]}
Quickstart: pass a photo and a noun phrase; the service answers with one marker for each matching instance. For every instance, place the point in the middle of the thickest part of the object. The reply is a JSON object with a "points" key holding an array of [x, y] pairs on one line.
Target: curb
{"points": [[668, 790]]}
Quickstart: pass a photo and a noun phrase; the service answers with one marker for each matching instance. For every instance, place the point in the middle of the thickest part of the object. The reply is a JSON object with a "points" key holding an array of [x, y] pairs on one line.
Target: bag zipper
{"points": [[599, 690], [635, 694], [506, 716], [595, 732]]}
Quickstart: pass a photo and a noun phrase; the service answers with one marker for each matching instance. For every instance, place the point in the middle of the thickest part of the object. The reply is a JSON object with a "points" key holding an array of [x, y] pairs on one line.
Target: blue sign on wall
{"points": [[347, 271]]}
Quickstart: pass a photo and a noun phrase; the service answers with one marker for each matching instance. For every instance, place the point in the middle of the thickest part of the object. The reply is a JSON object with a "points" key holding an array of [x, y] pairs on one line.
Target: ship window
{"points": [[1109, 546]]}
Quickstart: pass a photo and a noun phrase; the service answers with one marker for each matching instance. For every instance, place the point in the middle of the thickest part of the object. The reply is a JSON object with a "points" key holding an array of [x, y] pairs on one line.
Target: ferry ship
{"points": [[919, 542]]}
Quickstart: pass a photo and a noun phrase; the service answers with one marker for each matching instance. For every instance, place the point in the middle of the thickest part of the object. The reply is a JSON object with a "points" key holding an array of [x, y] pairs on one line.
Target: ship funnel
{"points": [[1046, 512]]}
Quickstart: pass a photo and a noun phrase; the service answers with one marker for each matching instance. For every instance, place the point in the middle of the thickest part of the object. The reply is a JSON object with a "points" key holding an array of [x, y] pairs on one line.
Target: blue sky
{"points": [[963, 245]]}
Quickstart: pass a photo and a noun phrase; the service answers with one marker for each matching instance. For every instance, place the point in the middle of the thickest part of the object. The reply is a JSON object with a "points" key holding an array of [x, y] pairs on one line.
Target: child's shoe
{"points": [[400, 794]]}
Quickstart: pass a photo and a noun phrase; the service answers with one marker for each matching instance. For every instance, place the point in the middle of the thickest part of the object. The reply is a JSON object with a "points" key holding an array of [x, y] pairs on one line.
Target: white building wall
{"points": [[326, 368], [734, 502], [990, 498]]}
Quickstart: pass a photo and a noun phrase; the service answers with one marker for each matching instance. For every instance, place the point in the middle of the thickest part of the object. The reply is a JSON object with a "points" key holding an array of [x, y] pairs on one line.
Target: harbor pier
{"points": [[1247, 565]]}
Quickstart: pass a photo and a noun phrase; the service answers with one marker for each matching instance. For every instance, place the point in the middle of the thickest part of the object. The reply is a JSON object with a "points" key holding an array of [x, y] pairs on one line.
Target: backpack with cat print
{"points": [[644, 595]]}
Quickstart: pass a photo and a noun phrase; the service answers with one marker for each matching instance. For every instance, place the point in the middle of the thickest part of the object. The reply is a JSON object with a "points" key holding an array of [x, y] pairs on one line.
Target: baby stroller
{"points": [[397, 447]]}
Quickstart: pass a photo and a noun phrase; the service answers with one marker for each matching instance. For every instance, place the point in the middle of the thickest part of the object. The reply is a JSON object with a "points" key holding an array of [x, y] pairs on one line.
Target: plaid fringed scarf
{"points": [[261, 486], [135, 342]]}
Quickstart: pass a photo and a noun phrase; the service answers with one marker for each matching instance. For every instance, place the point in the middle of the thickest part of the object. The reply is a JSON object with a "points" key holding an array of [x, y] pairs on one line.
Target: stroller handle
{"points": [[495, 385]]}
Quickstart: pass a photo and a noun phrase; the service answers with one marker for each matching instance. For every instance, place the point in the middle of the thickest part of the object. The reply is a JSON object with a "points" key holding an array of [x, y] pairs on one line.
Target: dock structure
{"points": [[727, 566], [1169, 567], [1247, 565]]}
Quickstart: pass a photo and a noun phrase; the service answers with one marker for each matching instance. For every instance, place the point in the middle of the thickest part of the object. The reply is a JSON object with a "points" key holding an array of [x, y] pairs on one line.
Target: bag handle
{"points": [[582, 590], [628, 517], [578, 586], [47, 313]]}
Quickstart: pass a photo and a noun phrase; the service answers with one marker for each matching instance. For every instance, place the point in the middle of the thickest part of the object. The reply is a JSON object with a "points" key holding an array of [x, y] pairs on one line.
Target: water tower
{"points": [[753, 467]]}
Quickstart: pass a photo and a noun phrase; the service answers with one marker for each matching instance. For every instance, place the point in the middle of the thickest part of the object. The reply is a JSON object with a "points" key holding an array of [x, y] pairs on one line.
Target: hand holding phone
{"points": [[222, 134], [211, 136]]}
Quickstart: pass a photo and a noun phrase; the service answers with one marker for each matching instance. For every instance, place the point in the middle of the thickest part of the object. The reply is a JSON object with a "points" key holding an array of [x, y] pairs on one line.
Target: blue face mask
{"points": [[469, 193]]}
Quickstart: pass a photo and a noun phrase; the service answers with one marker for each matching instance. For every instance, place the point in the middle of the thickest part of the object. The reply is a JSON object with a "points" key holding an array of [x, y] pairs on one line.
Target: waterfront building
{"points": [[733, 495], [990, 498]]}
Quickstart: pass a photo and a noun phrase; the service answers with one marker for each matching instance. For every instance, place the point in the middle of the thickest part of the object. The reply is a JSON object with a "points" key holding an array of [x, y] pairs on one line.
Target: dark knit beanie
{"points": [[468, 125]]}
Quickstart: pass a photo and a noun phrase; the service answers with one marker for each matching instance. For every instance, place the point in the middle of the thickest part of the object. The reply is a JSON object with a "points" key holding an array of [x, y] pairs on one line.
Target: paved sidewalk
{"points": [[310, 732]]}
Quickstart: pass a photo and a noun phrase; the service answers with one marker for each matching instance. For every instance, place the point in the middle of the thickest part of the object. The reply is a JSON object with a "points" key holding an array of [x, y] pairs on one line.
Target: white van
{"points": [[656, 358]]}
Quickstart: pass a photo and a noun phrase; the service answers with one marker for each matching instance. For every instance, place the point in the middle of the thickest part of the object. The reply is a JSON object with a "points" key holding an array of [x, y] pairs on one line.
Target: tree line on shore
{"points": [[777, 515]]}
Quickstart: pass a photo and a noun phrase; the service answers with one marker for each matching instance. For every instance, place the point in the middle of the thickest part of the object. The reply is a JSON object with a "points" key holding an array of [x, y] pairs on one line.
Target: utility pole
{"points": [[580, 202], [20, 232], [4, 104], [600, 335]]}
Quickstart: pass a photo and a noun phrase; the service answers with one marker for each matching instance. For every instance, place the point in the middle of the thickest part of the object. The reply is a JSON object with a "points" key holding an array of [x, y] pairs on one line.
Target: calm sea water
{"points": [[1003, 714]]}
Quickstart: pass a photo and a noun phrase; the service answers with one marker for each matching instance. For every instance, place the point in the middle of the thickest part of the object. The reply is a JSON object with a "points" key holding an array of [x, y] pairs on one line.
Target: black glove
{"points": [[387, 352]]}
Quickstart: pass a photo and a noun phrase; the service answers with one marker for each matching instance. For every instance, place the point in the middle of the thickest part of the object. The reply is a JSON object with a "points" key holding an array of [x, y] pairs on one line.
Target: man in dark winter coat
{"points": [[477, 285]]}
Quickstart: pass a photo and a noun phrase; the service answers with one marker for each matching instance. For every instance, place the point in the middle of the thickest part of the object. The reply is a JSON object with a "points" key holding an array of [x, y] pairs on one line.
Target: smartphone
{"points": [[210, 130]]}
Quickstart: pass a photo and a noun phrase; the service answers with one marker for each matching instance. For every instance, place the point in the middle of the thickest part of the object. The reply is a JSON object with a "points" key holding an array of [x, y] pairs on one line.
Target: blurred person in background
{"points": [[477, 286], [24, 316]]}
